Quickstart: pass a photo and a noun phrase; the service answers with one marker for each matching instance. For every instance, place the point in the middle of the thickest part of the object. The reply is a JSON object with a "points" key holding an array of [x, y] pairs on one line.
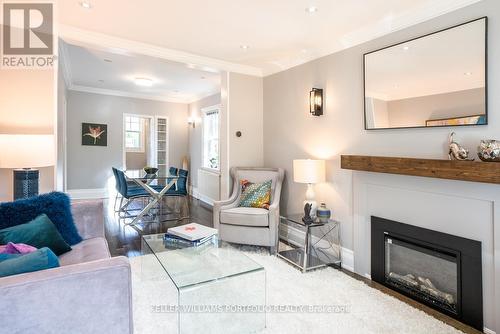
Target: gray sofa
{"points": [[89, 293], [250, 226]]}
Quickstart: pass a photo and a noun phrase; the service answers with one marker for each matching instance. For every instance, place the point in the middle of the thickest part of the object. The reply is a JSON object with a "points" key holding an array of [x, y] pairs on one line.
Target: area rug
{"points": [[367, 310]]}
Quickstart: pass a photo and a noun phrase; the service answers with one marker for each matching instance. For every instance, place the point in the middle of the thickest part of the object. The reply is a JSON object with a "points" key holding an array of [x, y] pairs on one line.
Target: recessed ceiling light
{"points": [[468, 73], [145, 82], [85, 4], [406, 48], [244, 47], [108, 60], [311, 9]]}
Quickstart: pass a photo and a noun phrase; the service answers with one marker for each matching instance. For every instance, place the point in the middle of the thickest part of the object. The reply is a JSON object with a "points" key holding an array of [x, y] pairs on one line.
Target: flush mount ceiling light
{"points": [[467, 74], [145, 82], [244, 47], [85, 4], [406, 48], [311, 9]]}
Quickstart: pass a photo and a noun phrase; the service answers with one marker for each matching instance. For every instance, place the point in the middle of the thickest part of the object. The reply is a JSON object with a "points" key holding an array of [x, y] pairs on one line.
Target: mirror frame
{"points": [[485, 18]]}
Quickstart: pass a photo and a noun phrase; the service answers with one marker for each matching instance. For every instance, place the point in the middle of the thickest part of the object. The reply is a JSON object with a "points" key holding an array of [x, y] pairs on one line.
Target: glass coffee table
{"points": [[219, 290]]}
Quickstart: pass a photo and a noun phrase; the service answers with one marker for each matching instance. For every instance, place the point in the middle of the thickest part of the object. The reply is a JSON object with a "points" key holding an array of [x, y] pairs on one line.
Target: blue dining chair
{"points": [[127, 191]]}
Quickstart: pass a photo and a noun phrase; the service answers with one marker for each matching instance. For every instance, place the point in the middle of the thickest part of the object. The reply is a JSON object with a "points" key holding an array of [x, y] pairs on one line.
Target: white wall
{"points": [[89, 167], [246, 114], [27, 106]]}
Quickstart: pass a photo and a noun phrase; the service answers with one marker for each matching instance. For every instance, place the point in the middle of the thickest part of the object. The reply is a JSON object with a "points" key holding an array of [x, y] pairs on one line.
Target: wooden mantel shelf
{"points": [[474, 171]]}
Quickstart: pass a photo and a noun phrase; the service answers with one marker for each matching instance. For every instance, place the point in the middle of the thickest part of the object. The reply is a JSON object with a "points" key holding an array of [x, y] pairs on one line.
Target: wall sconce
{"points": [[192, 122], [316, 102]]}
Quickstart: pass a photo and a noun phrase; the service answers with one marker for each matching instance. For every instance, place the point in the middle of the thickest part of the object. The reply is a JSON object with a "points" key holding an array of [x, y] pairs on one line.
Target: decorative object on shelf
{"points": [[26, 152], [94, 134], [316, 102], [150, 170], [457, 151], [489, 150], [323, 213], [310, 172], [307, 214]]}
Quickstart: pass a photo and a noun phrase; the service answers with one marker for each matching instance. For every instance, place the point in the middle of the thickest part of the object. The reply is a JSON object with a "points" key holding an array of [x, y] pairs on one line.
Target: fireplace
{"points": [[437, 269]]}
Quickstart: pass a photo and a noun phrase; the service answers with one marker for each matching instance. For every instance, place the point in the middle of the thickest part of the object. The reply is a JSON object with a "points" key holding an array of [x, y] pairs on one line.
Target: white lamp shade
{"points": [[27, 151], [309, 171]]}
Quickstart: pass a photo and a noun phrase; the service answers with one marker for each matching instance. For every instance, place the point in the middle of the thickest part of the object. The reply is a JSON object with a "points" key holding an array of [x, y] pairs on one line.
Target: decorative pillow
{"points": [[255, 195], [14, 264], [12, 248], [55, 205], [38, 233]]}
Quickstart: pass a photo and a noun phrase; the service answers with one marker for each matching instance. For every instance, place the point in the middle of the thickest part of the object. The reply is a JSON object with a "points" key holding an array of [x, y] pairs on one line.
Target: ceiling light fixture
{"points": [[244, 47], [468, 74], [85, 4], [145, 82], [311, 9], [406, 48]]}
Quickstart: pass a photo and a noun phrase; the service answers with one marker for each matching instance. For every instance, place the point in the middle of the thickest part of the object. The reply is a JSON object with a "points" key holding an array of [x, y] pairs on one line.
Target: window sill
{"points": [[211, 170]]}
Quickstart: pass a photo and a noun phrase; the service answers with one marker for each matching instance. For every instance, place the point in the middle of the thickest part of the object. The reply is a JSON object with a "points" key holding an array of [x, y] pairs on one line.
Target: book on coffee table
{"points": [[191, 232]]}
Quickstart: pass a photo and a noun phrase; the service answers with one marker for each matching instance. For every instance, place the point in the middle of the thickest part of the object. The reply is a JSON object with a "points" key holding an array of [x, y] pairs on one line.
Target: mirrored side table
{"points": [[308, 247]]}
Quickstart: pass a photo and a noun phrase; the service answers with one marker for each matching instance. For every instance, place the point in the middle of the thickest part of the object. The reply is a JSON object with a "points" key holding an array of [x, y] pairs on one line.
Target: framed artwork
{"points": [[467, 120], [94, 134]]}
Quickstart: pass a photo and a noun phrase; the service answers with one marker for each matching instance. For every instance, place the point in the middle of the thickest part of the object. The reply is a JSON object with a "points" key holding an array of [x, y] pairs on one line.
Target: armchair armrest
{"points": [[94, 297], [231, 202]]}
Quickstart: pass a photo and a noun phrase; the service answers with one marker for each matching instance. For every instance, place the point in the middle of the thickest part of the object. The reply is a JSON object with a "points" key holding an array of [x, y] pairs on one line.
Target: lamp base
{"points": [[25, 183]]}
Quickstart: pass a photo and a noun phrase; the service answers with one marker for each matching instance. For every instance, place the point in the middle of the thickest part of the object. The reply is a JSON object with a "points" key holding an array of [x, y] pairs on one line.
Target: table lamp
{"points": [[310, 172], [23, 153]]}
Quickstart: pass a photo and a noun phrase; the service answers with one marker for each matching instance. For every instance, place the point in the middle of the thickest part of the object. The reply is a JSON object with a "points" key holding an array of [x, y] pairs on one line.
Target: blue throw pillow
{"points": [[55, 205], [39, 233], [42, 259]]}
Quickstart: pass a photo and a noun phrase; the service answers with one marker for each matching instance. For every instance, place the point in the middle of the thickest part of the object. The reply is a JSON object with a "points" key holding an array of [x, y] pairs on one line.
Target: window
{"points": [[134, 134], [211, 137]]}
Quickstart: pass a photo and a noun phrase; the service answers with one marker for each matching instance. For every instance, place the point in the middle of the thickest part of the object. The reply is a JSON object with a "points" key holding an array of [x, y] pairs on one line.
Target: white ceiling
{"points": [[114, 73], [280, 33], [450, 61]]}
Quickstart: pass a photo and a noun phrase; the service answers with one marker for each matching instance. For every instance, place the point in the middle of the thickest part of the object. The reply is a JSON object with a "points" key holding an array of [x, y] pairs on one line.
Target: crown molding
{"points": [[64, 61], [120, 93], [378, 29], [114, 44]]}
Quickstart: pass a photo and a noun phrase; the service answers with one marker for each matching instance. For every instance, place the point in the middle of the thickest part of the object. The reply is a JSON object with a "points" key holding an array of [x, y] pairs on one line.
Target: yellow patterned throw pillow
{"points": [[255, 195]]}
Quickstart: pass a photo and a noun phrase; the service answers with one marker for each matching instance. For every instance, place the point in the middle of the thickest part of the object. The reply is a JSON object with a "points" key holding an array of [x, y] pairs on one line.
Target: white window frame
{"points": [[141, 148], [204, 112]]}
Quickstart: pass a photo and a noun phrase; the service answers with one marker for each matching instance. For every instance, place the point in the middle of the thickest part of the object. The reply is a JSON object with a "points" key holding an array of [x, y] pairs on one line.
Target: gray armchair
{"points": [[250, 226]]}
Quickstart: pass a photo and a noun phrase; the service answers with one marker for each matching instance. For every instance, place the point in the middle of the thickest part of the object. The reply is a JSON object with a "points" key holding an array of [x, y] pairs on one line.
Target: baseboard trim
{"points": [[348, 259], [203, 198], [88, 193], [488, 331]]}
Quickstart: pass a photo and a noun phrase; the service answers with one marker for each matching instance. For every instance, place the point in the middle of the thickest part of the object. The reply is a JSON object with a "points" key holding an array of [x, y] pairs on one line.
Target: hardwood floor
{"points": [[126, 240]]}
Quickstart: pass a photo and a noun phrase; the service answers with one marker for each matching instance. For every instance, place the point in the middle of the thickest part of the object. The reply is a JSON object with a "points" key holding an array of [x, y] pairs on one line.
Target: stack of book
{"points": [[190, 235]]}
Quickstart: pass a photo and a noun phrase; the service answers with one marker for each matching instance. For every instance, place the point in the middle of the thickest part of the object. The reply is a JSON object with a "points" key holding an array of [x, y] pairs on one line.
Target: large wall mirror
{"points": [[431, 81]]}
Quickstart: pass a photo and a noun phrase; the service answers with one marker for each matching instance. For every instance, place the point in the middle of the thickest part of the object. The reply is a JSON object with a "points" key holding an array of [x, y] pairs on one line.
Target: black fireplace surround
{"points": [[440, 270]]}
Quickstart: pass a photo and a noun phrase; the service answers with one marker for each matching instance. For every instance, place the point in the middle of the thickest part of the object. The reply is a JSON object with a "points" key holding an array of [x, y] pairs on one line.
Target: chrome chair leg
{"points": [[116, 201]]}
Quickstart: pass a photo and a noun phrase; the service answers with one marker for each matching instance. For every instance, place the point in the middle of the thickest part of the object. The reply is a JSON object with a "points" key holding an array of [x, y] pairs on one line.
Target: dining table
{"points": [[156, 185]]}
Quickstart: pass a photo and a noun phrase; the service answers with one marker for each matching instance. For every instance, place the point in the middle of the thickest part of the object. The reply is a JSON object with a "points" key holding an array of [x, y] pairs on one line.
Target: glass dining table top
{"points": [[189, 266]]}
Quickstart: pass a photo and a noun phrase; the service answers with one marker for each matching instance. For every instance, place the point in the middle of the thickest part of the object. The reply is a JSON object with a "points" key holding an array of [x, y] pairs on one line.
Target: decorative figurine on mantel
{"points": [[457, 151], [307, 214]]}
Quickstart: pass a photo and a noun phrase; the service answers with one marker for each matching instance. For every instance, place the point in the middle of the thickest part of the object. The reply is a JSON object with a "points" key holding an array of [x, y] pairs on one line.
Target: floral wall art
{"points": [[94, 134]]}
